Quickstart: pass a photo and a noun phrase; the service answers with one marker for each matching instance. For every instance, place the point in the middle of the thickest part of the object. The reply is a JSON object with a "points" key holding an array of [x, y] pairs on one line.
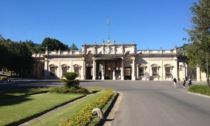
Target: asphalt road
{"points": [[146, 103], [149, 103]]}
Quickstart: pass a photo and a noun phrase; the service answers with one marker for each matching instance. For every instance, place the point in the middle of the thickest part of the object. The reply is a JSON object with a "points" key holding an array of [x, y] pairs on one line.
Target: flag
{"points": [[108, 21]]}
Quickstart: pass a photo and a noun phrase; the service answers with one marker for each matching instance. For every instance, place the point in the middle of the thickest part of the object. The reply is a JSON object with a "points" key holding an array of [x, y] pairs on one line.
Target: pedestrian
{"points": [[190, 82], [174, 80], [184, 82]]}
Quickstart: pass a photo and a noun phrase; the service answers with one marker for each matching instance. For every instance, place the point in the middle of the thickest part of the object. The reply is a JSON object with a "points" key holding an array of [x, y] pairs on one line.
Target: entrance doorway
{"points": [[127, 73], [89, 73], [109, 70]]}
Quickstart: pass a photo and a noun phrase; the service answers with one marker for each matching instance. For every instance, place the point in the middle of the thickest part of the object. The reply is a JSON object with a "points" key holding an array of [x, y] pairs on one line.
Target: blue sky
{"points": [[148, 23]]}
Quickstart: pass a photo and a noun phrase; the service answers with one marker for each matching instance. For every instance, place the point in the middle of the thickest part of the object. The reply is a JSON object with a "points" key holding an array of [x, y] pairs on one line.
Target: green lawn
{"points": [[62, 115], [201, 89], [14, 108]]}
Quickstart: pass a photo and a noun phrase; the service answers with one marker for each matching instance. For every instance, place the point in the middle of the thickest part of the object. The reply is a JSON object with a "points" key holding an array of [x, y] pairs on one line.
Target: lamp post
{"points": [[207, 68], [207, 61]]}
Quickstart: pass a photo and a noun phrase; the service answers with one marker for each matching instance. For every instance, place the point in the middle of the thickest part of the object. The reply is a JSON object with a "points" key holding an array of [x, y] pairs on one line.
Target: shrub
{"points": [[65, 90], [201, 89], [72, 83], [70, 75], [69, 80]]}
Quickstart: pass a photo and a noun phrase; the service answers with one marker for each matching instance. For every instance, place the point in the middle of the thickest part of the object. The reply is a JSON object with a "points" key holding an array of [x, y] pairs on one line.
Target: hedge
{"points": [[83, 117]]}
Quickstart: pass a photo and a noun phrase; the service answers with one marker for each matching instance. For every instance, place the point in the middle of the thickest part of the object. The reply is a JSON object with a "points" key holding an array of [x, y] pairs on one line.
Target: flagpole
{"points": [[108, 22]]}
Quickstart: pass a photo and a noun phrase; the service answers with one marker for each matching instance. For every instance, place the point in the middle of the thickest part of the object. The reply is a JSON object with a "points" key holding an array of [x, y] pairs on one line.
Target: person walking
{"points": [[174, 80], [184, 82], [190, 82]]}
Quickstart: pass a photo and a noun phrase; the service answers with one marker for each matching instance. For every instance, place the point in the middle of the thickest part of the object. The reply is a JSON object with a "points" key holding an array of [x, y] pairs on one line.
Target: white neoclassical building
{"points": [[110, 61]]}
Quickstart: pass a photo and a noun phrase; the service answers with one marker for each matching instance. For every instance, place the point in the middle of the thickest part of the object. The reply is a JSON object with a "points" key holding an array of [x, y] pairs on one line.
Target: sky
{"points": [[151, 24]]}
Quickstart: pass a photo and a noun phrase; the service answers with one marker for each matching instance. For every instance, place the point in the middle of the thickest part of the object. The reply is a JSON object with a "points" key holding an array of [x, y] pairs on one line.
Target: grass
{"points": [[62, 115], [15, 107], [201, 89]]}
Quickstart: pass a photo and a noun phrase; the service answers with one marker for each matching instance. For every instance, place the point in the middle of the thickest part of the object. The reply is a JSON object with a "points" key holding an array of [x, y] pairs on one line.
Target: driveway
{"points": [[151, 103]]}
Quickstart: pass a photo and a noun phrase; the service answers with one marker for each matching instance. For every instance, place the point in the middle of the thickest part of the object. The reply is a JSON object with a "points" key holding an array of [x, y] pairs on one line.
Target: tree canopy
{"points": [[199, 48], [52, 44], [73, 47], [15, 56]]}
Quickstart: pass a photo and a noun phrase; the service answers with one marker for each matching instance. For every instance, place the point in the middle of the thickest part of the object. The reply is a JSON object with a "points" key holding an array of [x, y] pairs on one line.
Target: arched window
{"points": [[52, 69], [168, 70], [64, 68], [142, 69], [154, 69], [77, 69]]}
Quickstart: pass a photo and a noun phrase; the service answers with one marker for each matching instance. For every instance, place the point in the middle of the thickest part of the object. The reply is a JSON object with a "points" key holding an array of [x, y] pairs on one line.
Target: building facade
{"points": [[110, 61]]}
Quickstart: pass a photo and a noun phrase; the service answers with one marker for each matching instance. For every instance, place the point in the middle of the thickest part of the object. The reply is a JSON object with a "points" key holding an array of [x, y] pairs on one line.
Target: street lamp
{"points": [[207, 68]]}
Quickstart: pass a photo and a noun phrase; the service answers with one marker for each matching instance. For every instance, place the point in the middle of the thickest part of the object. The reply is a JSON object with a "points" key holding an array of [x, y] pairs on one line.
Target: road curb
{"points": [[199, 94], [108, 111]]}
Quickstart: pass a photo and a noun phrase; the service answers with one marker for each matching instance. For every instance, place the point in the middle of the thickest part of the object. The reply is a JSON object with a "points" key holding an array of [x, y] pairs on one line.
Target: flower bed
{"points": [[83, 117]]}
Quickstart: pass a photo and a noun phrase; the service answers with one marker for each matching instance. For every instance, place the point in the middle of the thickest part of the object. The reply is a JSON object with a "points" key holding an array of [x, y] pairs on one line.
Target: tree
{"points": [[19, 58], [52, 44], [73, 47], [31, 46], [3, 55], [199, 48]]}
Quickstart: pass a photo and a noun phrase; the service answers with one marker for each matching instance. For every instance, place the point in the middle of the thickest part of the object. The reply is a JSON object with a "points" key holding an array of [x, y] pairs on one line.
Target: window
{"points": [[76, 70], [127, 71], [64, 70], [141, 71], [52, 71], [154, 71], [167, 71]]}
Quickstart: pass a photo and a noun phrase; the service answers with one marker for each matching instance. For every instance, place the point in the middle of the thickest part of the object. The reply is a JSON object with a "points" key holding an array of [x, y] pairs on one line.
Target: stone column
{"points": [[133, 69], [102, 70], [94, 69], [59, 69], [158, 72], [83, 77], [114, 77], [46, 68], [175, 69], [184, 74], [122, 69], [71, 66], [137, 71], [198, 72]]}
